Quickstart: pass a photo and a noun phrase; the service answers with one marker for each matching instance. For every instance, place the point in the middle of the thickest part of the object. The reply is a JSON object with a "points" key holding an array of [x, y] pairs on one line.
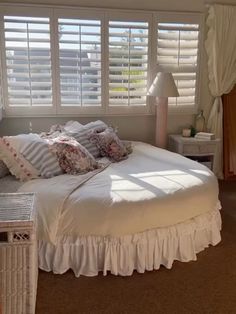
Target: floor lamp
{"points": [[162, 87]]}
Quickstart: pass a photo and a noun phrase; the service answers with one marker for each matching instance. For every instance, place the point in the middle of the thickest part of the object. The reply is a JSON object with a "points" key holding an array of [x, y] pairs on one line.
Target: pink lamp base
{"points": [[161, 122]]}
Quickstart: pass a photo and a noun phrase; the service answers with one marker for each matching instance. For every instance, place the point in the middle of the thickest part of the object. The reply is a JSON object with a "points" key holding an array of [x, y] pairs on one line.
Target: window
{"points": [[128, 63], [63, 61], [28, 61], [80, 62], [1, 92], [177, 52]]}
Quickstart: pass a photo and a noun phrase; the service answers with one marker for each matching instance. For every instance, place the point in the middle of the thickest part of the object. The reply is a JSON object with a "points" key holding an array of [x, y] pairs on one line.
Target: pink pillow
{"points": [[109, 145]]}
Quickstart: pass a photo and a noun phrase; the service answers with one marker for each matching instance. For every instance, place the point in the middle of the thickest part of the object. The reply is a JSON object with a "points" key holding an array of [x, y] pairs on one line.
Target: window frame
{"points": [[26, 110], [54, 12]]}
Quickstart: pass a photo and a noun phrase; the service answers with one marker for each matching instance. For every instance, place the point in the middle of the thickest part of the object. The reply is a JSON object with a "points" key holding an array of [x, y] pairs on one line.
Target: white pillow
{"points": [[72, 126]]}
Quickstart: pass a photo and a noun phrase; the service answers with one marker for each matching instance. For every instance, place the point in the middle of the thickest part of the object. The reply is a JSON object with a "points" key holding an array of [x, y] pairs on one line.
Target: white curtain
{"points": [[221, 51]]}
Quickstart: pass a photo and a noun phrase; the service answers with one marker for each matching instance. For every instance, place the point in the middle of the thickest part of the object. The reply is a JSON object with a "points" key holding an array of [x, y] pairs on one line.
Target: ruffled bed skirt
{"points": [[142, 251]]}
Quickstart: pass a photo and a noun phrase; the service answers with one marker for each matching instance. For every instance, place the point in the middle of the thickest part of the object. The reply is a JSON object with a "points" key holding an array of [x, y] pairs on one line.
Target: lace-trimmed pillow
{"points": [[15, 162], [109, 145], [3, 169], [72, 156]]}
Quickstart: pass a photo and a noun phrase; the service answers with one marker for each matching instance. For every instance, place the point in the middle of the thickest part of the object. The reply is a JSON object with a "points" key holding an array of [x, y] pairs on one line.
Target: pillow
{"points": [[72, 126], [72, 156], [56, 128], [17, 141], [14, 160], [82, 135], [37, 152], [109, 145], [54, 131], [3, 169], [128, 146]]}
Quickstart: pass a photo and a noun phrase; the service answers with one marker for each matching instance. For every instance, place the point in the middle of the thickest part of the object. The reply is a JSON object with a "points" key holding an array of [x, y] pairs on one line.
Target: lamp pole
{"points": [[161, 122], [163, 86]]}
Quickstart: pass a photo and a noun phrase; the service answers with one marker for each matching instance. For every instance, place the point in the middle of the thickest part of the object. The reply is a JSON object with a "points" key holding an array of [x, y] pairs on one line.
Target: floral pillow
{"points": [[128, 146], [79, 132], [72, 156], [109, 145]]}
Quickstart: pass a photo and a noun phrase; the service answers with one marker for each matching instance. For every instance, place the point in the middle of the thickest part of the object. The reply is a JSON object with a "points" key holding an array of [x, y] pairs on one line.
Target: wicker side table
{"points": [[18, 253]]}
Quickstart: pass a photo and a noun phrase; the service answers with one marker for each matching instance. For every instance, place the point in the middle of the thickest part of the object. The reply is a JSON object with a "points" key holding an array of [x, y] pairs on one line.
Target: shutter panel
{"points": [[80, 62], [1, 91], [177, 52], [28, 61], [128, 63]]}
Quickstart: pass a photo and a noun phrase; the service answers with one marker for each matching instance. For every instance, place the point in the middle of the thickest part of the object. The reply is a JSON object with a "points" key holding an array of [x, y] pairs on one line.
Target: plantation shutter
{"points": [[128, 63], [177, 52], [80, 62], [28, 61], [1, 92]]}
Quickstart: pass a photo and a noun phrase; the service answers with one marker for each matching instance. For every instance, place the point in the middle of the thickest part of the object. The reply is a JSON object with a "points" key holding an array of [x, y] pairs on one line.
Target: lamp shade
{"points": [[163, 86]]}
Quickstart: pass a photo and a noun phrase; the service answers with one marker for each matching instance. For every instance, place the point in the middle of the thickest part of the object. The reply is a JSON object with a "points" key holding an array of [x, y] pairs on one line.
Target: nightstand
{"points": [[203, 151], [18, 253]]}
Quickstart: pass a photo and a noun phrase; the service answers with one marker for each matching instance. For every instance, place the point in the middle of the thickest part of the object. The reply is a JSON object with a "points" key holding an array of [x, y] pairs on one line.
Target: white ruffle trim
{"points": [[87, 255]]}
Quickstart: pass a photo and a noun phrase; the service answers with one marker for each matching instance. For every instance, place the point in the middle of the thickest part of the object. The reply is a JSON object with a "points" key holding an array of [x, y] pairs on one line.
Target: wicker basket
{"points": [[18, 254]]}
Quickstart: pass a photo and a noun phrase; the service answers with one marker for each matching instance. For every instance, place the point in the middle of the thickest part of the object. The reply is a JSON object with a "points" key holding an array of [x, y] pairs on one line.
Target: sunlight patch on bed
{"points": [[126, 189], [159, 173], [202, 172], [150, 184], [169, 181]]}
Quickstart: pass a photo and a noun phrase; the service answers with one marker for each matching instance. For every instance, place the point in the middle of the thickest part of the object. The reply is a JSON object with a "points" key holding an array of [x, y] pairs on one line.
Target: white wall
{"points": [[135, 127], [139, 128]]}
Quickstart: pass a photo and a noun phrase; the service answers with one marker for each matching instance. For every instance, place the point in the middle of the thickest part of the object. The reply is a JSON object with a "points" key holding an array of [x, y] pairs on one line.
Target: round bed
{"points": [[148, 210]]}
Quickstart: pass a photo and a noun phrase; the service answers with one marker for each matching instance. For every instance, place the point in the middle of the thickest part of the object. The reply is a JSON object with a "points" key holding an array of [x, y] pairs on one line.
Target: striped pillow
{"points": [[39, 155], [83, 136]]}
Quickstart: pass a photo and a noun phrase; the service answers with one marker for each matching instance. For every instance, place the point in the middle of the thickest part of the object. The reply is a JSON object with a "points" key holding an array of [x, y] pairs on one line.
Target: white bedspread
{"points": [[152, 188]]}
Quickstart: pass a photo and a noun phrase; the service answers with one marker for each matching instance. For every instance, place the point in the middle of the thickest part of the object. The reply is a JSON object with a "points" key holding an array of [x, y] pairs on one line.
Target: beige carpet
{"points": [[207, 286]]}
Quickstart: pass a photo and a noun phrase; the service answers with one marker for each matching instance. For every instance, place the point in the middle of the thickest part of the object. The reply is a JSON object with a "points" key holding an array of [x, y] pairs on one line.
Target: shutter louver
{"points": [[80, 62], [128, 63], [177, 52], [28, 61]]}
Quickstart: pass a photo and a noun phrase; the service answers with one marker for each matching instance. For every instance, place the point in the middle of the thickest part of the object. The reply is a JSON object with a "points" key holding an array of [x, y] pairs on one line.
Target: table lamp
{"points": [[162, 87]]}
